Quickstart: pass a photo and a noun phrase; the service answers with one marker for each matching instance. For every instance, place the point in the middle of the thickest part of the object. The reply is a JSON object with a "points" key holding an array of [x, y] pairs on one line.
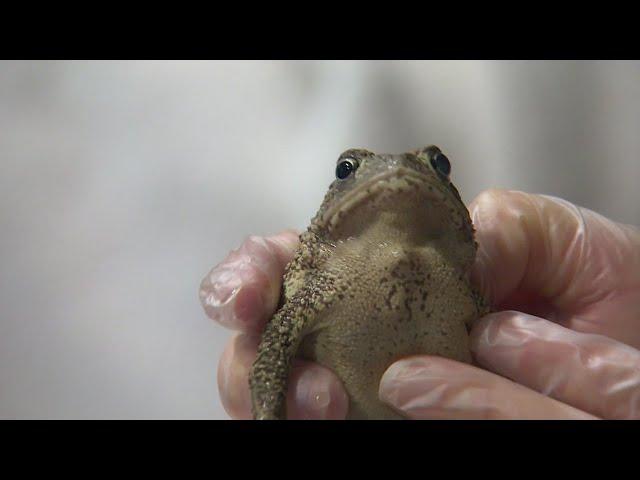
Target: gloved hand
{"points": [[564, 344]]}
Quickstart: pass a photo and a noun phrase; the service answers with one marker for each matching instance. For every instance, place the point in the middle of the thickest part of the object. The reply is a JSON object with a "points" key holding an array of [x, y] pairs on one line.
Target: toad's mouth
{"points": [[400, 180]]}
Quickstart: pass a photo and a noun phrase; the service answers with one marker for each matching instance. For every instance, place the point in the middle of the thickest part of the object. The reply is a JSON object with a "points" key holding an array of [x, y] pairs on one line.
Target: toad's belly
{"points": [[360, 341], [385, 309]]}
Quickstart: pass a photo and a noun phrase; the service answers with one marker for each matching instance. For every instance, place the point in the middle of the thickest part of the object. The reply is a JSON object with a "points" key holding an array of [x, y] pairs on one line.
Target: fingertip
{"points": [[403, 377], [315, 393], [404, 368], [485, 197], [485, 329], [427, 387], [243, 290], [503, 248], [499, 338], [288, 241]]}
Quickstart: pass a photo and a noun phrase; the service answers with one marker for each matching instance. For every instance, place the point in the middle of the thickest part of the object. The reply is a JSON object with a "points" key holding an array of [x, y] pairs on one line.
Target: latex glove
{"points": [[536, 254]]}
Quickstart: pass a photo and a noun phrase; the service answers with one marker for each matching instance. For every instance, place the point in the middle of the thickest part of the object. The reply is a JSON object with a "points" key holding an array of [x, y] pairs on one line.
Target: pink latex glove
{"points": [[573, 354]]}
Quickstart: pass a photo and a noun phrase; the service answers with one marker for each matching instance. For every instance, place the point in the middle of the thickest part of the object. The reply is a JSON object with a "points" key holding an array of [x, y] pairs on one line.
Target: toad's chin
{"points": [[401, 192]]}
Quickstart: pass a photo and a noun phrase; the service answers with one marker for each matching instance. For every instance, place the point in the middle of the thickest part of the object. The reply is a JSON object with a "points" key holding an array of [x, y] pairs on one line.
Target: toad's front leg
{"points": [[269, 375]]}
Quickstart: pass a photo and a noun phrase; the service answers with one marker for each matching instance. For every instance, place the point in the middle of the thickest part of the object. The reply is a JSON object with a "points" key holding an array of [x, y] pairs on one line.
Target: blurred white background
{"points": [[122, 183]]}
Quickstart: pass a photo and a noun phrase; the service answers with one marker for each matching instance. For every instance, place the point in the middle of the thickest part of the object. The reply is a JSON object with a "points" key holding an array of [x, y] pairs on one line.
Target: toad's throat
{"points": [[399, 180]]}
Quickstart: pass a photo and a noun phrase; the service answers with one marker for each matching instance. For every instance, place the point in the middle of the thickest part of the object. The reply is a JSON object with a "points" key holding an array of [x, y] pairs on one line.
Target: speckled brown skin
{"points": [[381, 273]]}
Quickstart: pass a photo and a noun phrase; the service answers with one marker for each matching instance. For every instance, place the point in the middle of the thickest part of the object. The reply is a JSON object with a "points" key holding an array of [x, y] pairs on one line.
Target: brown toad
{"points": [[381, 273]]}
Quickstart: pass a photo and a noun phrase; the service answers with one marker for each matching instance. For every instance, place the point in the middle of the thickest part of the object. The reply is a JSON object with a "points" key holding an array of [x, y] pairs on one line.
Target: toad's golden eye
{"points": [[345, 168], [441, 164]]}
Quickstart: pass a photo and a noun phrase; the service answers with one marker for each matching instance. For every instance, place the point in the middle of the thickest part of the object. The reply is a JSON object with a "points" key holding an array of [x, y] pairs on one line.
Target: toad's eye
{"points": [[345, 168], [441, 164]]}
